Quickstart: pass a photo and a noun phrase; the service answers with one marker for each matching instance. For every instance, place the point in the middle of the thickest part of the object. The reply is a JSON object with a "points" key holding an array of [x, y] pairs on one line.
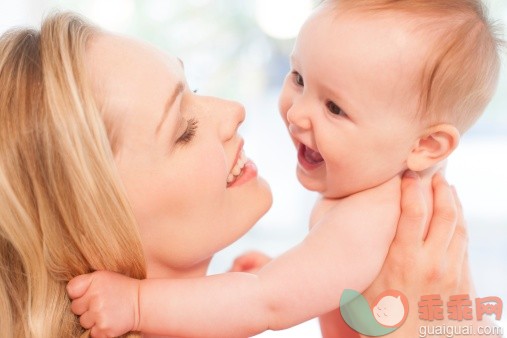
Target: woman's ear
{"points": [[435, 145]]}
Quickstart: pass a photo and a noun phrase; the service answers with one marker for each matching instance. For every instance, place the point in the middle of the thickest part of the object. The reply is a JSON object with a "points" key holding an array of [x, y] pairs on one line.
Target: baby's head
{"points": [[381, 86]]}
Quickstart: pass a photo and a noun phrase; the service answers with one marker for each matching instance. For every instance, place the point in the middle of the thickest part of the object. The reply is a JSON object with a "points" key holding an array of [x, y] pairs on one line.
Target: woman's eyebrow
{"points": [[178, 89]]}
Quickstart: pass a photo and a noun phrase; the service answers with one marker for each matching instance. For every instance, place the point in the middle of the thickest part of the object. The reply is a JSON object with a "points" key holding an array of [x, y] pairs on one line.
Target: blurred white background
{"points": [[239, 50]]}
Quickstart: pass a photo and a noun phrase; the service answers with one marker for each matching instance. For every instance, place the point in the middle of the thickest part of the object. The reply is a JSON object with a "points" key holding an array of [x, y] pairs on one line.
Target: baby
{"points": [[376, 87]]}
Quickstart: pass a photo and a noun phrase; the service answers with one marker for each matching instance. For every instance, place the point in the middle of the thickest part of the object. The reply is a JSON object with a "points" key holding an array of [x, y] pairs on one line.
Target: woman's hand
{"points": [[437, 264], [417, 266]]}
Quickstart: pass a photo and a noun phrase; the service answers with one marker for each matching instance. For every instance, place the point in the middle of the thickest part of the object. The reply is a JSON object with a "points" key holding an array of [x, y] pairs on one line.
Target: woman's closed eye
{"points": [[189, 132]]}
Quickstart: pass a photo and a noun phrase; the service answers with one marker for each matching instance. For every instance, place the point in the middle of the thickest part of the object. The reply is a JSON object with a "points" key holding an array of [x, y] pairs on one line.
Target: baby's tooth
{"points": [[240, 163], [230, 178]]}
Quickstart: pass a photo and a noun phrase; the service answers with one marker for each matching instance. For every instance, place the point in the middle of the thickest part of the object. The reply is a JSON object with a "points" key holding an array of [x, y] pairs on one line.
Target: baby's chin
{"points": [[338, 189], [321, 187]]}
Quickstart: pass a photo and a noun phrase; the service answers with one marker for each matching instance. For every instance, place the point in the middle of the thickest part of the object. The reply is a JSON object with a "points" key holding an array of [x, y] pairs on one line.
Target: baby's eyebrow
{"points": [[178, 89]]}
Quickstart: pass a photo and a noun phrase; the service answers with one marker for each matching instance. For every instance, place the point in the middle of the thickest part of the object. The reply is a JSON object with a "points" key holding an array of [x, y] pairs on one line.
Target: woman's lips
{"points": [[308, 158], [248, 172]]}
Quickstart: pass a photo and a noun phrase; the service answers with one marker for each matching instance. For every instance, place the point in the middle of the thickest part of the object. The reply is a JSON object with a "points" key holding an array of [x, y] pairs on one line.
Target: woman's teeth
{"points": [[238, 167]]}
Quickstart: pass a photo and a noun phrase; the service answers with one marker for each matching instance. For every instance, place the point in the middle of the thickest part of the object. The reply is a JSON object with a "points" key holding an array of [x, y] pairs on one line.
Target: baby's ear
{"points": [[435, 145]]}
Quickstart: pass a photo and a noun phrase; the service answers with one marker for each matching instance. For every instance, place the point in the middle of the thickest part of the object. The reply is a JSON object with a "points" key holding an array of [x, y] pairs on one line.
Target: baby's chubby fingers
{"points": [[78, 286], [76, 289], [87, 320], [95, 332], [107, 302], [80, 305]]}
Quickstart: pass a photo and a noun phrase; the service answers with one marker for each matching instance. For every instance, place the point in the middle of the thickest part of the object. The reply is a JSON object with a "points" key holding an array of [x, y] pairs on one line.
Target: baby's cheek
{"points": [[284, 103]]}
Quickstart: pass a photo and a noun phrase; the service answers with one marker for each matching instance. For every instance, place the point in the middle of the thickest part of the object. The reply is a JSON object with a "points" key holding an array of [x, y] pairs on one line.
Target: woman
{"points": [[109, 162]]}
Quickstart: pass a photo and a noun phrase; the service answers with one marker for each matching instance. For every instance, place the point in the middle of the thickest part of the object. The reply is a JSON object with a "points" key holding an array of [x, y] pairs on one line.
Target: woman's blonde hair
{"points": [[63, 209]]}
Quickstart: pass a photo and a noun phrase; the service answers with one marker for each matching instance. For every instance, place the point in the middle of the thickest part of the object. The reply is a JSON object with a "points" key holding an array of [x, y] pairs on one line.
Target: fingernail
{"points": [[411, 174]]}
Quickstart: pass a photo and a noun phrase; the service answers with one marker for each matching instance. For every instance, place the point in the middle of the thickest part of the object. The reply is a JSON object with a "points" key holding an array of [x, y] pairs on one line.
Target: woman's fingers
{"points": [[459, 243], [413, 211], [443, 222]]}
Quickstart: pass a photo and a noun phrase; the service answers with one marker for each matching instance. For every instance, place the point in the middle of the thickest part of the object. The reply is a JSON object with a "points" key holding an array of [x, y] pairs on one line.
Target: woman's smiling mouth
{"points": [[237, 169], [243, 170]]}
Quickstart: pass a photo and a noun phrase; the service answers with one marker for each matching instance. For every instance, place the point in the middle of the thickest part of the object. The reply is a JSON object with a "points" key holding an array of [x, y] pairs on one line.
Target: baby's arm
{"points": [[303, 283]]}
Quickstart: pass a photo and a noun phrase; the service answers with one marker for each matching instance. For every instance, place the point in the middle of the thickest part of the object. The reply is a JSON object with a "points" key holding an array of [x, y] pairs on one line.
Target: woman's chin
{"points": [[267, 200]]}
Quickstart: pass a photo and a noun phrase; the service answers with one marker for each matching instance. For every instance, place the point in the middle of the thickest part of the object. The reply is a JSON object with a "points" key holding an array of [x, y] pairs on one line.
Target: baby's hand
{"points": [[106, 302], [251, 261]]}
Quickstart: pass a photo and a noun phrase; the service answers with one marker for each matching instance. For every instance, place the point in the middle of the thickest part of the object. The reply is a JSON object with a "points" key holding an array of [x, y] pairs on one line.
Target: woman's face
{"points": [[176, 152]]}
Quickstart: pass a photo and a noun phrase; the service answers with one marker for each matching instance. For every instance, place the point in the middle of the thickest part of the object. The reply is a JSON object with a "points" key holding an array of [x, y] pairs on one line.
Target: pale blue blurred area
{"points": [[228, 54]]}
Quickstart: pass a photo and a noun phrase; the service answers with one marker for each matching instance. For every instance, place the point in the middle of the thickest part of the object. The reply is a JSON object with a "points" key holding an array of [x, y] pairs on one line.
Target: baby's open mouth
{"points": [[309, 158]]}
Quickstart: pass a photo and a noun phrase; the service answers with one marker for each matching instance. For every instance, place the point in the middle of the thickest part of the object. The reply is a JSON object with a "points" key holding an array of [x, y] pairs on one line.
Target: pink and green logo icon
{"points": [[387, 313]]}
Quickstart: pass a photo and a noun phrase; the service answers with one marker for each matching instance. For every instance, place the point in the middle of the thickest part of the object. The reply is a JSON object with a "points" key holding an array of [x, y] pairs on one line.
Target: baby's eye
{"points": [[334, 109], [298, 78]]}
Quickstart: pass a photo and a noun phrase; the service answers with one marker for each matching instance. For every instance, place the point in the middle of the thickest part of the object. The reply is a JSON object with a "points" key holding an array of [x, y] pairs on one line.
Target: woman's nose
{"points": [[231, 118]]}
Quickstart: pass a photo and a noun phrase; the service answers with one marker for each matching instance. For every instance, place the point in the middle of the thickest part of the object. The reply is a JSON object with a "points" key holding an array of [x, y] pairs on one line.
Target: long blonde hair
{"points": [[63, 209]]}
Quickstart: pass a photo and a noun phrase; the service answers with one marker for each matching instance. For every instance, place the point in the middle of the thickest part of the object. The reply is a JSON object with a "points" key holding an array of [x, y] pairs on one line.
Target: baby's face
{"points": [[349, 101]]}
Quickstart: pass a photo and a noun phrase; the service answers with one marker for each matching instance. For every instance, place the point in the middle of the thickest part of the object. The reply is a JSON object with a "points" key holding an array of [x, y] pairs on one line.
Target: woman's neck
{"points": [[164, 271]]}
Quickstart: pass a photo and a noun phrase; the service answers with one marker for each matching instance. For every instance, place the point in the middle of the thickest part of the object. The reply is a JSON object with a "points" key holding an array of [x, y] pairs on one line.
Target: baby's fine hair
{"points": [[462, 67]]}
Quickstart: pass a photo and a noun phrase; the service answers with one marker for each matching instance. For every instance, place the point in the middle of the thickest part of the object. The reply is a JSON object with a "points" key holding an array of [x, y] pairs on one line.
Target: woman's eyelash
{"points": [[195, 90], [189, 133]]}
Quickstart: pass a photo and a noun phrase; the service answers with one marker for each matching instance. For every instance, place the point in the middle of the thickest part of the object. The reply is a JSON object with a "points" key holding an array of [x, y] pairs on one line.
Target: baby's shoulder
{"points": [[322, 207]]}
